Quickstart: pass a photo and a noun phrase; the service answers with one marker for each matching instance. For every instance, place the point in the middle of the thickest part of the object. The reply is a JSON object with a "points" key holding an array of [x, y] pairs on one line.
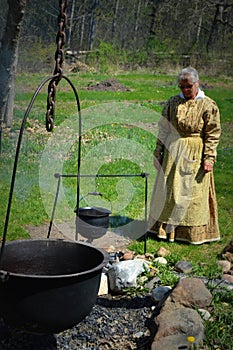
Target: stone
{"points": [[228, 248], [140, 257], [161, 260], [151, 283], [103, 289], [124, 274], [113, 257], [110, 249], [225, 265], [227, 277], [153, 271], [228, 256], [162, 252], [159, 293], [142, 280], [127, 256], [183, 266], [204, 314], [191, 292], [174, 327], [172, 342], [149, 256], [138, 335]]}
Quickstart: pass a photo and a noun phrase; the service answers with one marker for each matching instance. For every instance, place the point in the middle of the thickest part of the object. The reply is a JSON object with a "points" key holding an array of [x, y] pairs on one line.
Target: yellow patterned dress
{"points": [[183, 204]]}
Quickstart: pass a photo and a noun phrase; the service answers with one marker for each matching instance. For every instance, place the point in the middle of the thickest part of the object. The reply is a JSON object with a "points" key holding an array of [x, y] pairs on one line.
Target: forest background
{"points": [[160, 34], [142, 43], [108, 36]]}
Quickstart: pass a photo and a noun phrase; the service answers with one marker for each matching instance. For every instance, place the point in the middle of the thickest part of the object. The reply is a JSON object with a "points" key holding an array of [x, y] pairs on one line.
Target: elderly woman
{"points": [[183, 205]]}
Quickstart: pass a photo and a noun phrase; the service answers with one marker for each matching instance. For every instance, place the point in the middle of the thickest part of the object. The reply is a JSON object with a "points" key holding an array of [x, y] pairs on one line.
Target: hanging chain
{"points": [[59, 59]]}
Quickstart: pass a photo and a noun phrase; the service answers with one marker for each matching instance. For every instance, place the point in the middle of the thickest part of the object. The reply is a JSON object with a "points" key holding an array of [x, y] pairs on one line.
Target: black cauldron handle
{"points": [[93, 193], [51, 78]]}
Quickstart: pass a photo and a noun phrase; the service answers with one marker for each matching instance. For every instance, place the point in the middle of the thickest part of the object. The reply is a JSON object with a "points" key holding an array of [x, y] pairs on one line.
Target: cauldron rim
{"points": [[83, 211], [71, 275]]}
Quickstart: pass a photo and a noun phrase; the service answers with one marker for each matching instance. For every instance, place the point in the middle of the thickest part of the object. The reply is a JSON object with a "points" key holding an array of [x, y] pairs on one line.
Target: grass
{"points": [[119, 131], [114, 124]]}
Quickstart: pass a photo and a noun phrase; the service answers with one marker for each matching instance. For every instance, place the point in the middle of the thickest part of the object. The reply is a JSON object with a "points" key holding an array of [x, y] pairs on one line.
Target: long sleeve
{"points": [[212, 132]]}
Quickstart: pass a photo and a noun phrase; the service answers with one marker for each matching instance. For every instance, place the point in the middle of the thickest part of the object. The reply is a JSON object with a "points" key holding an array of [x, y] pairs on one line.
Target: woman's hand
{"points": [[208, 167], [157, 164]]}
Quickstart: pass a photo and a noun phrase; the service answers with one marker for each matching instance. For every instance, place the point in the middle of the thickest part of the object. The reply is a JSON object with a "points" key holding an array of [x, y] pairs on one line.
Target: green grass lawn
{"points": [[114, 124], [118, 137]]}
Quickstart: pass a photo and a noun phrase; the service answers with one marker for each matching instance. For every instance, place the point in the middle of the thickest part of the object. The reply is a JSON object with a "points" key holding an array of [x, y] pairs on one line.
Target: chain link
{"points": [[59, 59]]}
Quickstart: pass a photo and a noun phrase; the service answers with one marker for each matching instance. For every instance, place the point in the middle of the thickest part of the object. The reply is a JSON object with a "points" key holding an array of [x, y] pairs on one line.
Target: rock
{"points": [[228, 256], [142, 280], [103, 289], [227, 277], [150, 284], [124, 274], [138, 335], [159, 293], [228, 248], [183, 266], [171, 342], [149, 256], [153, 271], [191, 292], [225, 265], [161, 260], [174, 327], [204, 314], [162, 252], [141, 257], [113, 257], [110, 249], [127, 256]]}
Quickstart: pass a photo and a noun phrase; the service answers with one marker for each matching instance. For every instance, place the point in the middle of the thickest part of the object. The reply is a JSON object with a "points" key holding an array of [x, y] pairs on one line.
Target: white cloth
{"points": [[200, 94]]}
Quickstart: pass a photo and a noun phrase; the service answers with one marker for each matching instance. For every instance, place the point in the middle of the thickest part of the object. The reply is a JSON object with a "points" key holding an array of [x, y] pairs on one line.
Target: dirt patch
{"points": [[67, 231], [41, 232], [108, 85], [206, 86]]}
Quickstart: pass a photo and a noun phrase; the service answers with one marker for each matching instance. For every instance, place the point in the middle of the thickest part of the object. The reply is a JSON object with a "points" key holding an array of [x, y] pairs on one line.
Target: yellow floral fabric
{"points": [[183, 204]]}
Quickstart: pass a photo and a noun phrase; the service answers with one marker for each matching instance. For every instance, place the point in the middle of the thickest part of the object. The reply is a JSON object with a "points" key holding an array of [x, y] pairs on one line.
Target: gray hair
{"points": [[188, 72]]}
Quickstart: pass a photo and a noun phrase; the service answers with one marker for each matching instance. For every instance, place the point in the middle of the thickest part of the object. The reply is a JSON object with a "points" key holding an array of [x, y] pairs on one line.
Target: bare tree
{"points": [[137, 14], [220, 19], [93, 24], [114, 22], [71, 23], [9, 58]]}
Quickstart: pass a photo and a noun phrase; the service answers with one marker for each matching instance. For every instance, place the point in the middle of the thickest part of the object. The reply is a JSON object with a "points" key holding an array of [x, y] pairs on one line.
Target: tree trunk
{"points": [[218, 19], [115, 18], [93, 24], [71, 24], [82, 30], [9, 58], [137, 20]]}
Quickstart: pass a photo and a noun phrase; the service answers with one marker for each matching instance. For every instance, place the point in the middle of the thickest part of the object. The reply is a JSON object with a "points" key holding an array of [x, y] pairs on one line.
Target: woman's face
{"points": [[189, 88]]}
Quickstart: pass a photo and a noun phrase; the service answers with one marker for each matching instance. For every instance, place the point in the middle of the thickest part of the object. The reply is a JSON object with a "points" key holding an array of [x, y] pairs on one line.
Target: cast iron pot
{"points": [[92, 222], [47, 286]]}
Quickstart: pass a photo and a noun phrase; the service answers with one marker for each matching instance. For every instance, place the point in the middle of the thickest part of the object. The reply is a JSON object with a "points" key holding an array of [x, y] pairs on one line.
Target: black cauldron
{"points": [[92, 222], [47, 286]]}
